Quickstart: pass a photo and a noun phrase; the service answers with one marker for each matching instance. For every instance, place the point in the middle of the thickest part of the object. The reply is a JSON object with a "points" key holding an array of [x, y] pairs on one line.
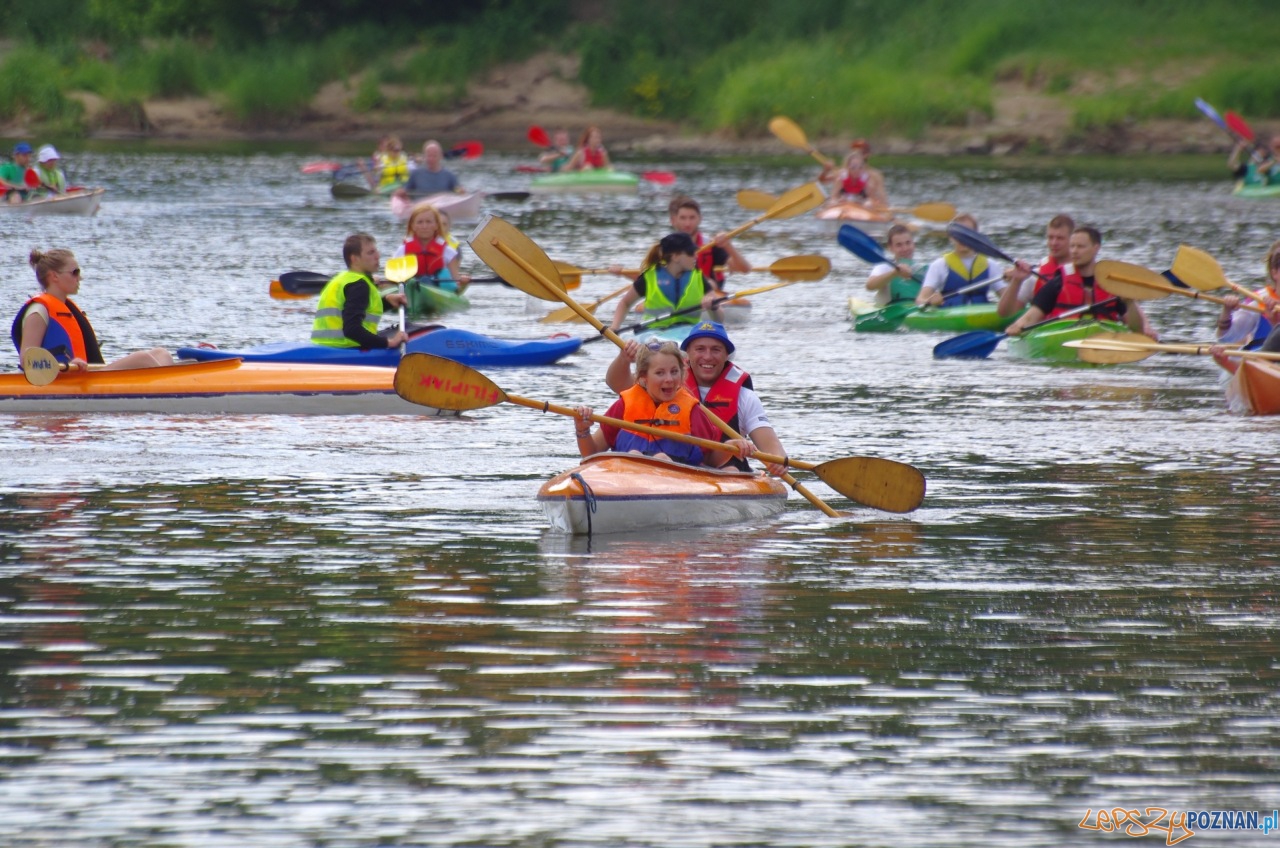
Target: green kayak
{"points": [[1255, 191], [585, 181], [971, 316], [1046, 341], [427, 299]]}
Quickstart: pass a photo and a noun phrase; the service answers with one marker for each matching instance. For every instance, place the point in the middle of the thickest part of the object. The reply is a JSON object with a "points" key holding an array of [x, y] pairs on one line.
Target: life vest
{"points": [[707, 262], [327, 328], [430, 258], [52, 179], [854, 185], [657, 302], [1264, 323], [959, 277], [392, 169], [593, 157], [722, 399], [1074, 294], [68, 335], [638, 407]]}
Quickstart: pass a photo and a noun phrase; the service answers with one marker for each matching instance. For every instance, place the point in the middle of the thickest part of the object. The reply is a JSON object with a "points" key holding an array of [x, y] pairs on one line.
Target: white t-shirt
{"points": [[750, 410], [936, 277]]}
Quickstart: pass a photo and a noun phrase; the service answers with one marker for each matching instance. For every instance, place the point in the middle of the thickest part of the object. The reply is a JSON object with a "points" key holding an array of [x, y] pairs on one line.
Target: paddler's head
{"points": [[686, 214], [964, 219], [1273, 264], [901, 241], [360, 252], [660, 370], [1057, 236], [57, 271], [708, 348]]}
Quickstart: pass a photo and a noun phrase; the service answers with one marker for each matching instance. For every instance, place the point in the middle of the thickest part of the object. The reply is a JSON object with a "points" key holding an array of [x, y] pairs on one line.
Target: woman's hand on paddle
{"points": [[77, 364]]}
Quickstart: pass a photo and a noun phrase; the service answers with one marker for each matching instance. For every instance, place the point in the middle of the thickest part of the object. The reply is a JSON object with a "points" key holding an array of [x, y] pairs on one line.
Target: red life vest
{"points": [[707, 262], [854, 185], [722, 400], [1075, 293], [430, 258], [593, 157]]}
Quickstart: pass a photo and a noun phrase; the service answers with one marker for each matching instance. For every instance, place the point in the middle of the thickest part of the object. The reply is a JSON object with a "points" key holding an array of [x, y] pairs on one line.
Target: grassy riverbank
{"points": [[838, 67]]}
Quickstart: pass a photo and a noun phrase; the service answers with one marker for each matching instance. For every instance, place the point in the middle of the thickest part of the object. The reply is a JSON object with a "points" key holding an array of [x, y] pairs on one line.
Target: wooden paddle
{"points": [[40, 367], [802, 268], [755, 200], [521, 253], [1134, 282], [1114, 348], [1199, 270], [789, 133], [444, 384]]}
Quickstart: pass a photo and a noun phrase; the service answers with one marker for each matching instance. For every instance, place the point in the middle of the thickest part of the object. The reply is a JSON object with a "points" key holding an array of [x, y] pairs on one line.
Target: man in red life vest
{"points": [[723, 387], [1057, 238]]}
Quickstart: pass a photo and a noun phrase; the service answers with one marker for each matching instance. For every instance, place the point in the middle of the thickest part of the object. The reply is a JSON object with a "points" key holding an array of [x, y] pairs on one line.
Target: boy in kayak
{"points": [[560, 153], [897, 281], [1074, 286], [351, 306], [957, 269], [670, 282]]}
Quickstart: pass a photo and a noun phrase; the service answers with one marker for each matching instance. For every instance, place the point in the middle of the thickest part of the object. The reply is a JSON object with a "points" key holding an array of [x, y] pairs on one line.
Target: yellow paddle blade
{"points": [[757, 201], [1112, 348], [1133, 282], [789, 133], [514, 257], [1198, 269], [801, 269], [798, 201], [401, 268], [938, 211], [434, 381], [39, 366], [874, 482]]}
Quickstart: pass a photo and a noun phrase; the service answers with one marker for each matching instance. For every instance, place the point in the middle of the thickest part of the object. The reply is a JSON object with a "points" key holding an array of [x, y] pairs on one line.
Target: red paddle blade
{"points": [[465, 150], [321, 167], [539, 136], [660, 177], [1239, 126], [31, 178]]}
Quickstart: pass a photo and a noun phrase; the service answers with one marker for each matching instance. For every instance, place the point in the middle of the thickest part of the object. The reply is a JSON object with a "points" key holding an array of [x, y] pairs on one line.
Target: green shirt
{"points": [[13, 173]]}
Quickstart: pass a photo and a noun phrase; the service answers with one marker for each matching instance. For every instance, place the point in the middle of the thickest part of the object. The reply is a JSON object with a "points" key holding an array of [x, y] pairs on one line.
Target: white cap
{"points": [[47, 154]]}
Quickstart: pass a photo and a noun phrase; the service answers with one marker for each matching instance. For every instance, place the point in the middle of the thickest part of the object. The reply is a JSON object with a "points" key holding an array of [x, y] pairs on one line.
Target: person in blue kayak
{"points": [[51, 320], [1261, 168], [722, 386], [351, 306], [898, 280], [659, 399], [670, 282], [958, 268], [1074, 286]]}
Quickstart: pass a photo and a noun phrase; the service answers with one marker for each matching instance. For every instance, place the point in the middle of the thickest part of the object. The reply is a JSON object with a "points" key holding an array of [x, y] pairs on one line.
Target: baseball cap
{"points": [[48, 153], [678, 243], [708, 330], [22, 147]]}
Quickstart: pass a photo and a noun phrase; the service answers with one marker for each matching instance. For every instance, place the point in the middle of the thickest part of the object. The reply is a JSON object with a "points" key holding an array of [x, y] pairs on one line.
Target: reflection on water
{"points": [[276, 632]]}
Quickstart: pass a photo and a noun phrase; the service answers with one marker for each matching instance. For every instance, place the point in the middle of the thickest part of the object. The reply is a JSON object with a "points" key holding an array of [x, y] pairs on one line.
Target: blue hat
{"points": [[708, 330], [22, 147]]}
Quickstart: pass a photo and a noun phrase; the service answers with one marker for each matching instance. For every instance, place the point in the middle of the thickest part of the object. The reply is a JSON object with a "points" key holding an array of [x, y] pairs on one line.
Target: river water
{"points": [[343, 631]]}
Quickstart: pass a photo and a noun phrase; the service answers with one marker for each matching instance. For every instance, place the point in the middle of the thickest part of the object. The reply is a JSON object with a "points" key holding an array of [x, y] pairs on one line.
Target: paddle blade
{"points": [[975, 345], [860, 244], [465, 150], [805, 268], [303, 283], [1111, 348], [874, 482], [401, 268], [39, 366], [659, 177], [321, 167], [1133, 282], [1240, 127], [976, 242], [279, 292], [1211, 113], [434, 381], [940, 212], [1198, 269], [798, 201], [756, 201], [537, 135], [496, 242], [884, 320], [788, 132]]}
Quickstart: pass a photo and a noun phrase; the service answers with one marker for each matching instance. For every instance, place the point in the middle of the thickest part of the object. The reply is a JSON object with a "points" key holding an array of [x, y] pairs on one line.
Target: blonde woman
{"points": [[427, 238]]}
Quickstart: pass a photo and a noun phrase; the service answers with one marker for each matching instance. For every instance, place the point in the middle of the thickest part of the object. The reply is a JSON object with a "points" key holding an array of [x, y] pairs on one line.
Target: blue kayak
{"points": [[462, 346]]}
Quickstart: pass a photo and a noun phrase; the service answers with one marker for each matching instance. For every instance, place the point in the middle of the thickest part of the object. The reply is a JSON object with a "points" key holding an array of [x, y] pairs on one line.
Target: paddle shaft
{"points": [[617, 340], [1071, 313], [1154, 348], [644, 325], [566, 313], [1192, 293]]}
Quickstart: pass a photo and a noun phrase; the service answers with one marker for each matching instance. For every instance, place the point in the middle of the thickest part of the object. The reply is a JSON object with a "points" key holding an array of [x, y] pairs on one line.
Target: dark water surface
{"points": [[275, 631]]}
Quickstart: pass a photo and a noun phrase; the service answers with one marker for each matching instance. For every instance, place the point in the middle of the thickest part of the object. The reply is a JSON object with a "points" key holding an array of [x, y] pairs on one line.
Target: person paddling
{"points": [[590, 154], [51, 320], [1241, 326], [427, 238], [351, 306], [856, 181], [957, 269], [1023, 283], [896, 281], [670, 282]]}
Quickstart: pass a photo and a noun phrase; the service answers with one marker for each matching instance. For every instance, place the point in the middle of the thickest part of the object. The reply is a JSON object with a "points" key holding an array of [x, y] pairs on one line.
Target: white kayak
{"points": [[461, 208]]}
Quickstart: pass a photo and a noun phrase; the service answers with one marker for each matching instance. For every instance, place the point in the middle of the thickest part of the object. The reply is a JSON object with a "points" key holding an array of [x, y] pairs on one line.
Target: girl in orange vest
{"points": [[658, 399], [51, 320]]}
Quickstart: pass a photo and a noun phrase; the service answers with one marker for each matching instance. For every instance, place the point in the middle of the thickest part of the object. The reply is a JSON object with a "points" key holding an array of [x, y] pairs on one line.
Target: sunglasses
{"points": [[75, 272]]}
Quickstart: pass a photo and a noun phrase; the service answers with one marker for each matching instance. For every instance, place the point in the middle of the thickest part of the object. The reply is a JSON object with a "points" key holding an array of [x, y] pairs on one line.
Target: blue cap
{"points": [[708, 330], [22, 147]]}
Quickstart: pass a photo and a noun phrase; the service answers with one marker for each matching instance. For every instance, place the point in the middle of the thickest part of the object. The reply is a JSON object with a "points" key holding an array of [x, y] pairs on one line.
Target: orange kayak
{"points": [[625, 493], [223, 386], [1255, 388]]}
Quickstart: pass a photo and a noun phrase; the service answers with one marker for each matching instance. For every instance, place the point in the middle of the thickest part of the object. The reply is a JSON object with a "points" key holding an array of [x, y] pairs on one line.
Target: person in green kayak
{"points": [[1076, 287], [899, 280], [559, 154], [351, 306], [1023, 283], [590, 155], [16, 177], [1261, 168], [960, 268], [670, 282]]}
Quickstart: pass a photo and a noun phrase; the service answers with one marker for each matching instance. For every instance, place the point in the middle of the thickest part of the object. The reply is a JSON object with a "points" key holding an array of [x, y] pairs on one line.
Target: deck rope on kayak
{"points": [[588, 496]]}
